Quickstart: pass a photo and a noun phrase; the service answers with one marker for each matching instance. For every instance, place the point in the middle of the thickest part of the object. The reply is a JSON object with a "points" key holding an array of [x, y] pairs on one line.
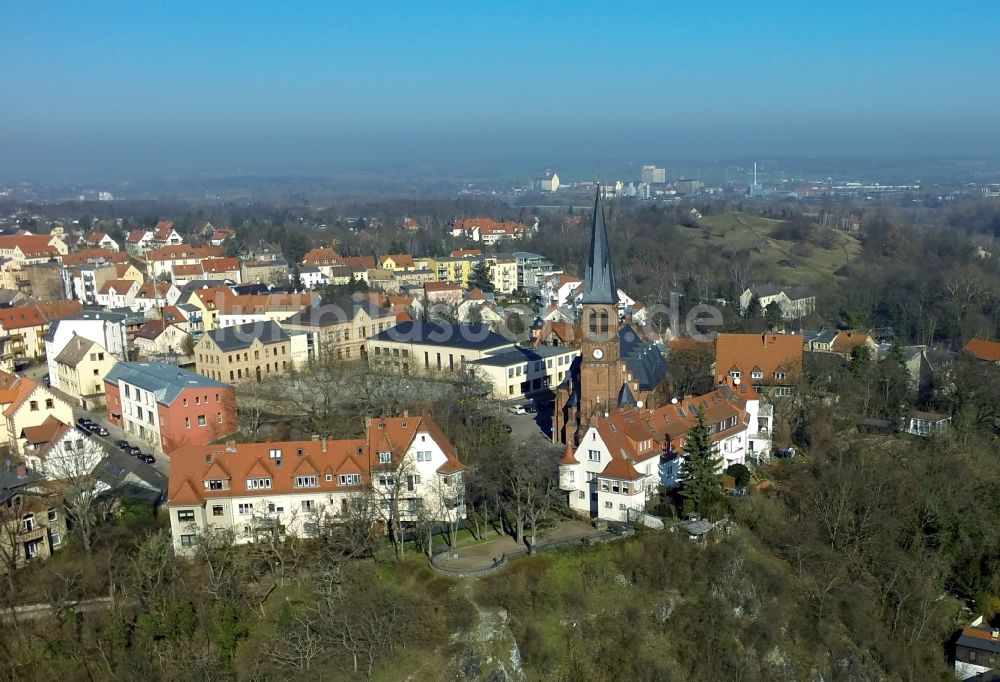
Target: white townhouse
{"points": [[404, 471]]}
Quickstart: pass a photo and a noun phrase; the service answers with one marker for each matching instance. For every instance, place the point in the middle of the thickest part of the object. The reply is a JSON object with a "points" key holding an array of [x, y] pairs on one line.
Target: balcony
{"points": [[36, 533]]}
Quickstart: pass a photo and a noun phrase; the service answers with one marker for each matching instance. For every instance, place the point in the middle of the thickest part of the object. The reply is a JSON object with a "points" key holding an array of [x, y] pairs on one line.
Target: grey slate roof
{"points": [[241, 336], [74, 351], [163, 380], [599, 281], [12, 484], [473, 337], [626, 398], [980, 644], [799, 293], [644, 360], [337, 311], [762, 290], [518, 354]]}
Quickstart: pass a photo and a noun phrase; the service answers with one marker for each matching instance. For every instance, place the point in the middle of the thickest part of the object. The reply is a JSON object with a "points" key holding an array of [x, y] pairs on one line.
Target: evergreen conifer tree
{"points": [[700, 479]]}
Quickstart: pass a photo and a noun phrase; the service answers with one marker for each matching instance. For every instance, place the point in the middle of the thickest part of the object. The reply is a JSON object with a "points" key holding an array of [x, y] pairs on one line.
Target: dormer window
{"points": [[350, 479], [385, 458], [275, 453], [306, 482], [214, 484], [258, 484]]}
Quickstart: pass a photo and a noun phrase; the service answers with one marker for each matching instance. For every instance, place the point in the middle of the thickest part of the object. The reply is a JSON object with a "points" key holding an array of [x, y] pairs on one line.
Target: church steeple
{"points": [[599, 283]]}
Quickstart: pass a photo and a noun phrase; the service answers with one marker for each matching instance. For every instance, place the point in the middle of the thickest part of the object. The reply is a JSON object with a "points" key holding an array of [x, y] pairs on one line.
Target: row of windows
{"points": [[198, 400], [217, 359], [757, 374], [300, 482], [202, 421], [241, 374], [49, 404]]}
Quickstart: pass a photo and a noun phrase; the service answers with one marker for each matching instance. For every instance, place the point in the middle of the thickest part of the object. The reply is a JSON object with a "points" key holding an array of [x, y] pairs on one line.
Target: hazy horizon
{"points": [[114, 91]]}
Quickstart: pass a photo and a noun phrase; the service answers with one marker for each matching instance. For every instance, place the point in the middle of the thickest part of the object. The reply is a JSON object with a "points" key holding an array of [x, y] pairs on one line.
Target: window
{"points": [[216, 510], [581, 495], [187, 422], [386, 481], [201, 420], [189, 540], [350, 479], [185, 402], [779, 375], [49, 403], [306, 482], [53, 515], [591, 477], [213, 484], [185, 515], [275, 453], [308, 505], [258, 484], [756, 374], [609, 505], [572, 477], [34, 405], [28, 521], [594, 455], [423, 455], [734, 374], [329, 477], [385, 458], [55, 539], [246, 508], [218, 417]]}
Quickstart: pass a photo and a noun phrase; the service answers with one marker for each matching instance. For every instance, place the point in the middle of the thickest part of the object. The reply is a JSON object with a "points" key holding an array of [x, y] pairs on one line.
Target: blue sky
{"points": [[117, 84]]}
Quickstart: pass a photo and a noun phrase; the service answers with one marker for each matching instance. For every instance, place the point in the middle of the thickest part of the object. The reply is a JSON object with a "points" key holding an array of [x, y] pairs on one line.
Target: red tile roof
{"points": [[183, 252], [846, 342], [120, 286], [217, 265], [442, 286], [402, 260], [31, 245], [322, 255], [766, 353], [984, 350], [88, 256], [190, 466]]}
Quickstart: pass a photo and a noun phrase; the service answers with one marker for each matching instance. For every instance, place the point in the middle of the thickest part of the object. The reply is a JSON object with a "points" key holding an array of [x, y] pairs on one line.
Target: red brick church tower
{"points": [[597, 383]]}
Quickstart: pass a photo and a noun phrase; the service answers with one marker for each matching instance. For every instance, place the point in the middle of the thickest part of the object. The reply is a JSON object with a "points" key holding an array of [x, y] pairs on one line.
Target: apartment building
{"points": [[162, 261], [254, 351], [168, 407], [341, 326], [106, 329], [519, 372], [402, 472], [27, 325], [417, 346]]}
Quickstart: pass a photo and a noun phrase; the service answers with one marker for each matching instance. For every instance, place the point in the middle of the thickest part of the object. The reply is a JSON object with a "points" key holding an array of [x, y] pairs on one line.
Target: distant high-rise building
{"points": [[652, 175]]}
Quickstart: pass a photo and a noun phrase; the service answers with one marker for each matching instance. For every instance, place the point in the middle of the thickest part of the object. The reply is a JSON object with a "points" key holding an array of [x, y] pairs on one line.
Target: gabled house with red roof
{"points": [[26, 249], [137, 242], [771, 361], [60, 451], [25, 403], [488, 231], [402, 471], [153, 296], [117, 293], [100, 240], [163, 260], [26, 326], [410, 224], [625, 456], [220, 235], [164, 234]]}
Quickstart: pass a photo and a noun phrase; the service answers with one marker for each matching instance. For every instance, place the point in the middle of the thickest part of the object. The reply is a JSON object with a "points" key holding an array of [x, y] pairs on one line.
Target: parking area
{"points": [[530, 426], [162, 463]]}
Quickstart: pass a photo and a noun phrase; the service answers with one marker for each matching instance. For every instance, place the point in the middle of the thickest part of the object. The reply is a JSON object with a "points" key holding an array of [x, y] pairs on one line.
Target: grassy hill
{"points": [[792, 262]]}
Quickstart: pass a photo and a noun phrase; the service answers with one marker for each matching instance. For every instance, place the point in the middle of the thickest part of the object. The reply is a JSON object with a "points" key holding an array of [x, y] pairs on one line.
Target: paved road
{"points": [[530, 427], [162, 464]]}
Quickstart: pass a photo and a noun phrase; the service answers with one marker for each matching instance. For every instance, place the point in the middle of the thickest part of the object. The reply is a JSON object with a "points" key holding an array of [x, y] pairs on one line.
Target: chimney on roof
{"points": [[325, 438], [406, 413], [314, 436]]}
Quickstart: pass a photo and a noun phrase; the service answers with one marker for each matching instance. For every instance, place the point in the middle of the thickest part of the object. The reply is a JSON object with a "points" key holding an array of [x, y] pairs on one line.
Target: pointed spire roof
{"points": [[599, 283], [626, 398]]}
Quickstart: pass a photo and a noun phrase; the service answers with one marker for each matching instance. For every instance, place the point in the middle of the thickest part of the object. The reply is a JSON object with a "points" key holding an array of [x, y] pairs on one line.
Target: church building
{"points": [[616, 367]]}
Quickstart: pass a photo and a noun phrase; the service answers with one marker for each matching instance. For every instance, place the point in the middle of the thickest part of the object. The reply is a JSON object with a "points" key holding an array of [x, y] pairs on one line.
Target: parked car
{"points": [[148, 459], [517, 409], [123, 445], [98, 429], [531, 408], [84, 422], [134, 451]]}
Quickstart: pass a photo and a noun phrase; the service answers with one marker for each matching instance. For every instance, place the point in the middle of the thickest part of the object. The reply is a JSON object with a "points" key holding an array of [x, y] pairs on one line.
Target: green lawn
{"points": [[741, 231]]}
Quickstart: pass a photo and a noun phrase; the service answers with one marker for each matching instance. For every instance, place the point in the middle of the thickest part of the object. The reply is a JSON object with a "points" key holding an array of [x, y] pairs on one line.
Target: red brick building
{"points": [[168, 407]]}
